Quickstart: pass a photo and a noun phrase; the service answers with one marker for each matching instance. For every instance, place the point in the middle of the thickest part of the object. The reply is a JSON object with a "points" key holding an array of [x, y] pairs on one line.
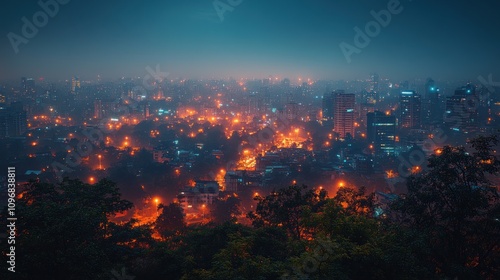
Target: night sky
{"points": [[286, 38]]}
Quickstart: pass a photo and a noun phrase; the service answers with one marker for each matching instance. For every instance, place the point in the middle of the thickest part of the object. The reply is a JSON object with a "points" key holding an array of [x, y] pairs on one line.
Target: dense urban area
{"points": [[252, 165]]}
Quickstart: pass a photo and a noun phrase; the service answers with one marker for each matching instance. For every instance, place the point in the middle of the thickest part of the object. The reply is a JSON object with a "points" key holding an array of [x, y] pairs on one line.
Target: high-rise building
{"points": [[431, 107], [327, 107], [146, 110], [75, 84], [98, 109], [364, 109], [381, 132], [13, 121], [292, 111], [343, 113], [373, 94], [410, 106], [462, 108]]}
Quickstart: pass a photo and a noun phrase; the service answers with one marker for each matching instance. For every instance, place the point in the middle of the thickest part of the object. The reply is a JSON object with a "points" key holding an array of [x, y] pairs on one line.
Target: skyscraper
{"points": [[98, 109], [381, 132], [343, 111], [327, 107], [13, 121], [373, 95], [409, 105], [75, 84], [431, 107], [461, 108]]}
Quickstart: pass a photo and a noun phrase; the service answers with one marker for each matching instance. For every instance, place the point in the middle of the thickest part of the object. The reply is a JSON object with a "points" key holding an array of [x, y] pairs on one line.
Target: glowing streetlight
{"points": [[100, 163], [92, 179], [157, 202], [203, 207]]}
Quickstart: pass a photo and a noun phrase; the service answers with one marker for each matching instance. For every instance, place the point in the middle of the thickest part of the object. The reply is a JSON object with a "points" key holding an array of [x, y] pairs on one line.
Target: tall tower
{"points": [[327, 107], [343, 111], [410, 106], [381, 132], [373, 95], [461, 108], [431, 109], [98, 109], [75, 84]]}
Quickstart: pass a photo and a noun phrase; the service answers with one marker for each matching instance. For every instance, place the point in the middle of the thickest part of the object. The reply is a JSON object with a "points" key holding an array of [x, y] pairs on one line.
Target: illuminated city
{"points": [[213, 145]]}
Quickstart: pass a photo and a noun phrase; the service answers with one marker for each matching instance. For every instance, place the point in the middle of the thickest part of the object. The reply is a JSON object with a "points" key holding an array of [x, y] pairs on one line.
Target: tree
{"points": [[456, 208], [285, 207], [65, 231], [356, 201], [171, 219], [226, 209]]}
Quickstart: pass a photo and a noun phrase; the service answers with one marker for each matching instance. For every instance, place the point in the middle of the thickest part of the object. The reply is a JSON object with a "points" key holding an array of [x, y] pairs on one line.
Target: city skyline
{"points": [[251, 39]]}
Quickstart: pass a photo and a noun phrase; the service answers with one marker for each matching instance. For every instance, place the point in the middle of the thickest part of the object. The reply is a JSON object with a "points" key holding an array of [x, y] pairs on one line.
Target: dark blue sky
{"points": [[289, 38]]}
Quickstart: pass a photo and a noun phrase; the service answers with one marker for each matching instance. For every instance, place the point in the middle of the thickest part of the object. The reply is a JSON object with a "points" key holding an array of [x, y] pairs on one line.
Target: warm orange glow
{"points": [[92, 179], [415, 169], [390, 174]]}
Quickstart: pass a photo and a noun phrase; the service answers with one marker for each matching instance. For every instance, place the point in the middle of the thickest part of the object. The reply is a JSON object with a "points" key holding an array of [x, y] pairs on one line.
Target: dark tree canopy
{"points": [[171, 219], [456, 209]]}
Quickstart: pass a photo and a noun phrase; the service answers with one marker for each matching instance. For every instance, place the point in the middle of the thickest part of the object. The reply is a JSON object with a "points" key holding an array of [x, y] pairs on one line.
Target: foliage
{"points": [[65, 231], [455, 209], [225, 209], [171, 219], [284, 208]]}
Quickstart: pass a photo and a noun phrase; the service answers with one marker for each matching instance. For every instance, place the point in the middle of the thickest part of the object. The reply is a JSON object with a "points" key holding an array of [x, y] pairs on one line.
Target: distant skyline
{"points": [[290, 39]]}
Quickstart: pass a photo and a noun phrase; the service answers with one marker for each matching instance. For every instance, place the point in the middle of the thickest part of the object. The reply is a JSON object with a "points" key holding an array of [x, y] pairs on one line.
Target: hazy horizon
{"points": [[254, 39]]}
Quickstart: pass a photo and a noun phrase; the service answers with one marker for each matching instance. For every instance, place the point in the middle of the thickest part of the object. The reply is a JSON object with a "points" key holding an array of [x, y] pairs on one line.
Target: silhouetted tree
{"points": [[65, 233], [456, 209], [284, 208], [171, 219], [225, 209]]}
